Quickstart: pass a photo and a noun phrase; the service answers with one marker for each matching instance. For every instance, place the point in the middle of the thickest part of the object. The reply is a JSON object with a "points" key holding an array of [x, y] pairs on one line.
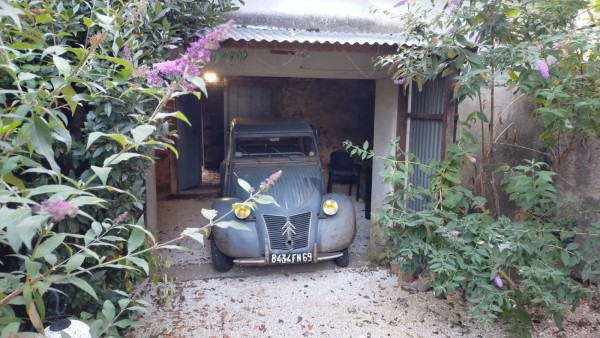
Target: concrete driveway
{"points": [[317, 300]]}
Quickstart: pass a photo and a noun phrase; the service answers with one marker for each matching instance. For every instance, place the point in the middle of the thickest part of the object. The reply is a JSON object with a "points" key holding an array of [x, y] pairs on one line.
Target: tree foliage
{"points": [[78, 125]]}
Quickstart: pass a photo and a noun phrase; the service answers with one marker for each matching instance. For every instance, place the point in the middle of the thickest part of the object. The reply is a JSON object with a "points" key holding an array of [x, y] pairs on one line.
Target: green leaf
{"points": [[51, 259], [97, 228], [245, 185], [41, 139], [55, 50], [232, 224], [75, 262], [136, 239], [48, 245], [44, 18], [482, 117], [33, 268], [162, 144], [198, 82], [68, 93], [62, 65], [124, 323], [102, 173], [108, 310], [265, 199], [119, 61], [142, 263], [24, 76], [177, 115], [52, 188], [88, 200], [117, 158], [7, 10], [209, 214], [140, 133], [29, 228], [10, 220], [124, 302], [80, 283], [88, 22], [565, 258], [122, 76], [199, 237], [60, 133]]}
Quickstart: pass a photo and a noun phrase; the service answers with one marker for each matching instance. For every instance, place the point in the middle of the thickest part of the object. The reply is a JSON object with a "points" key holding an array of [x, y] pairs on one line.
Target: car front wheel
{"points": [[221, 262], [343, 260]]}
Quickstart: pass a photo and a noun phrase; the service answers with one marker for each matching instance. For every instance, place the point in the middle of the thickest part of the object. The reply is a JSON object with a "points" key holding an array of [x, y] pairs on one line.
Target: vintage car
{"points": [[306, 225]]}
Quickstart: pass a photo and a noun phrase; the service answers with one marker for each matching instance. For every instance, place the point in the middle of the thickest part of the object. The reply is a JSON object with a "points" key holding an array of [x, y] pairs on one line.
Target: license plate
{"points": [[305, 257]]}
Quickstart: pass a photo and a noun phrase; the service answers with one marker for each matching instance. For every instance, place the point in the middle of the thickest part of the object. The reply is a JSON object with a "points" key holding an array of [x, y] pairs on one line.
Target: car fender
{"points": [[230, 241], [337, 232]]}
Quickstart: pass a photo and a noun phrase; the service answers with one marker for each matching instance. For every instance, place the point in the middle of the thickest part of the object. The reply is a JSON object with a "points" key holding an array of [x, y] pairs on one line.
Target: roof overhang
{"points": [[257, 34]]}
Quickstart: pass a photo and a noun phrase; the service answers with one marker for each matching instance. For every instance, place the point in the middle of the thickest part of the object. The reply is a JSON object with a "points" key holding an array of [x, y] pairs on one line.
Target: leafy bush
{"points": [[500, 265], [79, 123]]}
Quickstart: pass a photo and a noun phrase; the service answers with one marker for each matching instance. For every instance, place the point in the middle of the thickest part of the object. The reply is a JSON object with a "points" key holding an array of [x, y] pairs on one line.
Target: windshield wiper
{"points": [[280, 153]]}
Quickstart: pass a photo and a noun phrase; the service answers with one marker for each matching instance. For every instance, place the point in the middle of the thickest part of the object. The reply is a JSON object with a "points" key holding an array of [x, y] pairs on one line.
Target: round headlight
{"points": [[330, 207], [241, 211]]}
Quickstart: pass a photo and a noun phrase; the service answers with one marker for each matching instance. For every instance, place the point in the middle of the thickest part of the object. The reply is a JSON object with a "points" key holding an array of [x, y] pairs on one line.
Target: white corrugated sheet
{"points": [[267, 34]]}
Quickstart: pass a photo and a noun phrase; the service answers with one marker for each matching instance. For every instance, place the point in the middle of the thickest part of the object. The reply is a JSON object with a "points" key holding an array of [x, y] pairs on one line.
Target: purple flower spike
{"points": [[543, 67], [455, 233], [399, 81], [198, 52], [455, 2], [498, 282], [400, 3]]}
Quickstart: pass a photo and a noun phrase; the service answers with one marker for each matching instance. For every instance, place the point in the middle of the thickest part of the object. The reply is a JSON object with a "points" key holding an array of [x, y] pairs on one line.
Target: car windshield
{"points": [[285, 146]]}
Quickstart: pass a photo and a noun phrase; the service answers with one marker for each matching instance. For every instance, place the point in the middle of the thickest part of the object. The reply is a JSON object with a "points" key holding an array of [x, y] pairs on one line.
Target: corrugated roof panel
{"points": [[266, 34]]}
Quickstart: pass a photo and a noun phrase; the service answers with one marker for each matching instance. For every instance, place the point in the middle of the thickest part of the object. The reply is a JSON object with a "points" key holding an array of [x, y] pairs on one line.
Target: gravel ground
{"points": [[319, 300], [332, 303]]}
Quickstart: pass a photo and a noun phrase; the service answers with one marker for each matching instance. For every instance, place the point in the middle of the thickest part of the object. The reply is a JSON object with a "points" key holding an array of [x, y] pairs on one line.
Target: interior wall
{"points": [[339, 110]]}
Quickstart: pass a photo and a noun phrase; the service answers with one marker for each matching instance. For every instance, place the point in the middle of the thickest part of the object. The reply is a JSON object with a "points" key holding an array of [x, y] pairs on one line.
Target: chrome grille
{"points": [[279, 240]]}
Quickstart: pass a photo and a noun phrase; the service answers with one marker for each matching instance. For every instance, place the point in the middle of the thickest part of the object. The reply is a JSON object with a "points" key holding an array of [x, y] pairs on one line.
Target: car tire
{"points": [[343, 260], [221, 262]]}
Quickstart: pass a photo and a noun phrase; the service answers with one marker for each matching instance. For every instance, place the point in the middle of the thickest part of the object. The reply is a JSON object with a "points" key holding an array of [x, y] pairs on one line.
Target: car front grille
{"points": [[279, 238]]}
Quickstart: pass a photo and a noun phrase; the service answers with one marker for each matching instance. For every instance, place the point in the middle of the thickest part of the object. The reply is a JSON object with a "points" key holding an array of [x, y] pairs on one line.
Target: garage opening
{"points": [[339, 109]]}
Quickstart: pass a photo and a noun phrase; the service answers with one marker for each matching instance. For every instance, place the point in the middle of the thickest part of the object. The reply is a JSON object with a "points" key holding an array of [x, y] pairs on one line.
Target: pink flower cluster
{"points": [[471, 159], [453, 5], [59, 209], [498, 281], [270, 181], [543, 67], [399, 81], [186, 65], [454, 233]]}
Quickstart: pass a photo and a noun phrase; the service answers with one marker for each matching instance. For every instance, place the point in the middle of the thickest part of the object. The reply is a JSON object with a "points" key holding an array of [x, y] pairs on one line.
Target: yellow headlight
{"points": [[241, 211], [330, 207]]}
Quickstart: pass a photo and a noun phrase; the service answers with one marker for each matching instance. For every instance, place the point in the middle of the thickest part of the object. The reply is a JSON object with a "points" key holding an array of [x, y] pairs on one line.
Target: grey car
{"points": [[306, 225]]}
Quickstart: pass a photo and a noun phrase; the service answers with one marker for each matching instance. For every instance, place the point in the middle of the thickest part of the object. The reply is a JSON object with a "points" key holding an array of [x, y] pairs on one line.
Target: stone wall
{"points": [[338, 109]]}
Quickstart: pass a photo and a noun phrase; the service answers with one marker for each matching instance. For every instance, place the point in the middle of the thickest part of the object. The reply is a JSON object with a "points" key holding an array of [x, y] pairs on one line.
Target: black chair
{"points": [[343, 170]]}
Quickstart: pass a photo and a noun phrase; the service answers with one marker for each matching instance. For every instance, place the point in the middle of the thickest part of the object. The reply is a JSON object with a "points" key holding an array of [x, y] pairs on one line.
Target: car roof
{"points": [[269, 126]]}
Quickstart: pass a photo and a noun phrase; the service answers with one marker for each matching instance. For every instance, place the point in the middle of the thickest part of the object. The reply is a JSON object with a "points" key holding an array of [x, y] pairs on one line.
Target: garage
{"points": [[327, 79]]}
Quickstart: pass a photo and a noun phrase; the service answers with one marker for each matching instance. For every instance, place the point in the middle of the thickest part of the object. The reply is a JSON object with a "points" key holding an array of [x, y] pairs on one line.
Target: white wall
{"points": [[306, 64], [386, 111]]}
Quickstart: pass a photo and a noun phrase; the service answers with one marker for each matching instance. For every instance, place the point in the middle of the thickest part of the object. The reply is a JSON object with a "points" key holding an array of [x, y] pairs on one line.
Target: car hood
{"points": [[291, 191]]}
